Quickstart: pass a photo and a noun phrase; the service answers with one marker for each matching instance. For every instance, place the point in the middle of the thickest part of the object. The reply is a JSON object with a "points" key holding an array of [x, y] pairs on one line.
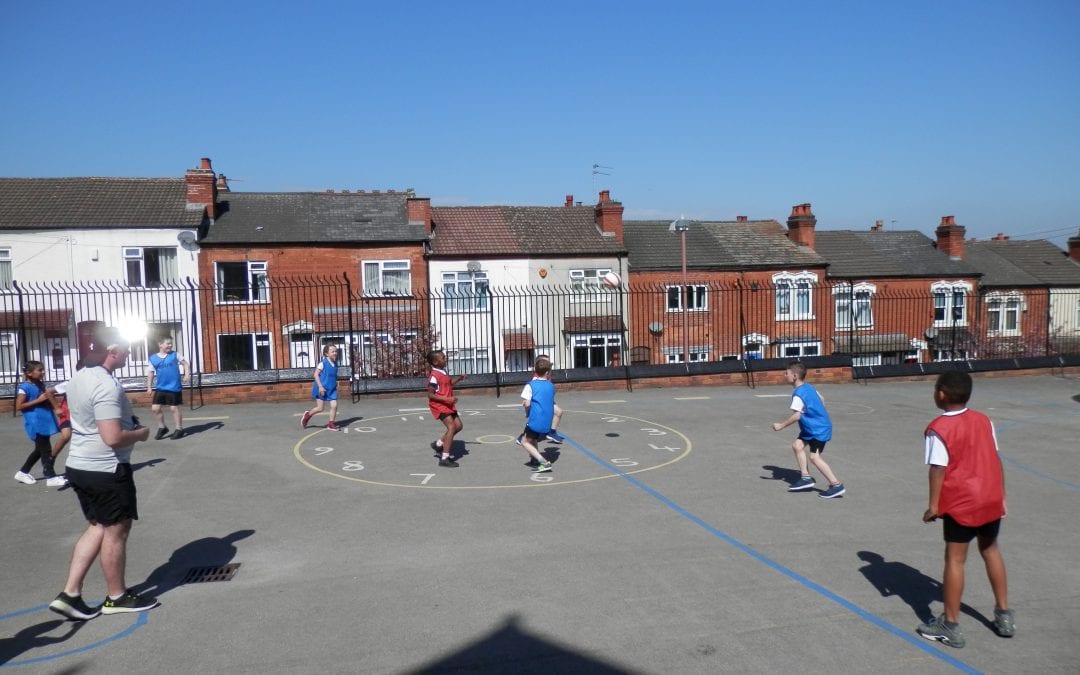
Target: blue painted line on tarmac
{"points": [[919, 642], [1005, 427], [139, 622]]}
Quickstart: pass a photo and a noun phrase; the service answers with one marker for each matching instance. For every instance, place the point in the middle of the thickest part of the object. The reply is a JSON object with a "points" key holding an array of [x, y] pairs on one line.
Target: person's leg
{"points": [[159, 415], [43, 447], [953, 578], [333, 410], [530, 447], [178, 416], [995, 571], [61, 442], [556, 418], [114, 556], [451, 424], [819, 462], [86, 550], [799, 448]]}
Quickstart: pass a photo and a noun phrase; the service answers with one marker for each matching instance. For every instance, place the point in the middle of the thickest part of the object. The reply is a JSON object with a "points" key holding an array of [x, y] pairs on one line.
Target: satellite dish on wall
{"points": [[189, 241], [930, 333], [473, 266]]}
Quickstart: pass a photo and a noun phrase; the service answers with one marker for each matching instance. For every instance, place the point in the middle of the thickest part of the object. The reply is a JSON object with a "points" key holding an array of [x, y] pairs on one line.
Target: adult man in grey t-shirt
{"points": [[99, 468]]}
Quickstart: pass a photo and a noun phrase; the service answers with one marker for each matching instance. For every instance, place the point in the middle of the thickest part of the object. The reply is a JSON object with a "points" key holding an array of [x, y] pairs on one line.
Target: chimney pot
{"points": [[801, 225], [569, 200], [950, 238], [605, 196], [204, 163]]}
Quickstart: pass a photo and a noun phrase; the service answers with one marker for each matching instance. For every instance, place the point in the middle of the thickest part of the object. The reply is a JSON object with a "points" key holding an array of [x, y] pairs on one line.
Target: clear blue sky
{"points": [[901, 111]]}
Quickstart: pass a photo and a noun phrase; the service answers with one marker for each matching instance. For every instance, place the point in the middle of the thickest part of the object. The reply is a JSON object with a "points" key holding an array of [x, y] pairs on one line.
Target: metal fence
{"points": [[272, 325]]}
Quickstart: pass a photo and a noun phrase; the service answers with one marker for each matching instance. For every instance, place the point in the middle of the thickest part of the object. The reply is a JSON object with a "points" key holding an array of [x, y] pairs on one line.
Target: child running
{"points": [[324, 389], [443, 404], [815, 430], [169, 369], [967, 491], [554, 436], [39, 421], [538, 399], [58, 397]]}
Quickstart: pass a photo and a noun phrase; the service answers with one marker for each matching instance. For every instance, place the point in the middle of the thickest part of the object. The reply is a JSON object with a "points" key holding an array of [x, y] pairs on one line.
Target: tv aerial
{"points": [[600, 170], [189, 241]]}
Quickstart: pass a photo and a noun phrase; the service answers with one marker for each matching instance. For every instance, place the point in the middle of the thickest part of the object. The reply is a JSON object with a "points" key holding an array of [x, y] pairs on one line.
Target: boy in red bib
{"points": [[967, 491], [443, 404]]}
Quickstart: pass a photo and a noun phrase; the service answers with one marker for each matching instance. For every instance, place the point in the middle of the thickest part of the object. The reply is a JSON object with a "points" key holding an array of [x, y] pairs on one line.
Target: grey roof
{"points": [[520, 231], [900, 253], [719, 245], [1022, 263], [313, 217], [96, 203]]}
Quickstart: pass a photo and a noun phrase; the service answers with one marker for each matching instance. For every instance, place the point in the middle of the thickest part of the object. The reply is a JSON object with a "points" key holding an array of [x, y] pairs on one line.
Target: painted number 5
{"points": [[624, 461]]}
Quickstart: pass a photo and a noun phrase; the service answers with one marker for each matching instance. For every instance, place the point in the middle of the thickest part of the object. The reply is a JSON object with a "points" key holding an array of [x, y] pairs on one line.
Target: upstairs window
{"points": [[243, 281], [794, 296], [1003, 314], [586, 284], [387, 277], [6, 274], [465, 291], [693, 298], [853, 306], [150, 267], [950, 303]]}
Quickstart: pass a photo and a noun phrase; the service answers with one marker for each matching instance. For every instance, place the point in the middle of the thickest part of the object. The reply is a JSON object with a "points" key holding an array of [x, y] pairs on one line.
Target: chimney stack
{"points": [[950, 238], [419, 209], [569, 200], [1074, 247], [608, 216], [801, 224], [202, 188], [740, 219], [222, 183], [1001, 236], [879, 225]]}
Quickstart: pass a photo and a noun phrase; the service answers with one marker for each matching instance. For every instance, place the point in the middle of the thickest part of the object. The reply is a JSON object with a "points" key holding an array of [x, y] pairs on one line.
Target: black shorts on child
{"points": [[961, 534]]}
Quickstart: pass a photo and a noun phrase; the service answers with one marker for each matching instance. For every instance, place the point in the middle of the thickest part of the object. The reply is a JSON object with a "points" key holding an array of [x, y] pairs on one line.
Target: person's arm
{"points": [[115, 436], [937, 479], [318, 379], [795, 417], [150, 372], [50, 394], [22, 401], [459, 378], [185, 372]]}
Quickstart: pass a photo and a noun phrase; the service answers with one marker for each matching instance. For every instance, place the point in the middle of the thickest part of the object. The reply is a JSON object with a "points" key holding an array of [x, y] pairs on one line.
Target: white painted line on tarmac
{"points": [[205, 419], [692, 398], [772, 395], [412, 409], [508, 405], [614, 400]]}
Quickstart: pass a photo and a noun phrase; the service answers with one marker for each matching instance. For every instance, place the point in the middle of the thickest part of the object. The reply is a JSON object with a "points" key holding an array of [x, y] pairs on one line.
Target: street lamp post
{"points": [[681, 226]]}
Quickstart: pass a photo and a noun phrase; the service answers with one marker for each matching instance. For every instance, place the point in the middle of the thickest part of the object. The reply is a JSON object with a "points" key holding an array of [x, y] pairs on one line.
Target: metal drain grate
{"points": [[198, 575]]}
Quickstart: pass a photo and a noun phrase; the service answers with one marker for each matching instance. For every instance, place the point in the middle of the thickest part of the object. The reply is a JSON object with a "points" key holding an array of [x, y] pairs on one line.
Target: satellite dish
{"points": [[473, 266], [189, 241], [656, 327], [931, 333]]}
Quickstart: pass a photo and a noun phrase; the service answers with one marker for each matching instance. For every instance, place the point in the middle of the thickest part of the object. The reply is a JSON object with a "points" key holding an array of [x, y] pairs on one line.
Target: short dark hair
{"points": [[799, 368], [955, 385], [431, 356], [543, 365]]}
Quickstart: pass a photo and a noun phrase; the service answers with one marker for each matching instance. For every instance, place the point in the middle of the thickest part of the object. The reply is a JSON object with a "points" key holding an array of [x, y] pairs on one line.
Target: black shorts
{"points": [[443, 416], [961, 534], [105, 498], [535, 435], [813, 444], [168, 397]]}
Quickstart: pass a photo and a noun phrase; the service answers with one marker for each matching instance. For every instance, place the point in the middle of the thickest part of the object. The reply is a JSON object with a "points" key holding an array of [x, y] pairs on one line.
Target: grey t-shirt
{"points": [[94, 394]]}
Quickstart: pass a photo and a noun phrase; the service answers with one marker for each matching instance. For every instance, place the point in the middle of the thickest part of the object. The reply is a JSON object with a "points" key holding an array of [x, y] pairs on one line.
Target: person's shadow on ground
{"points": [[205, 426], [785, 474], [148, 464], [908, 584], [206, 552], [33, 637]]}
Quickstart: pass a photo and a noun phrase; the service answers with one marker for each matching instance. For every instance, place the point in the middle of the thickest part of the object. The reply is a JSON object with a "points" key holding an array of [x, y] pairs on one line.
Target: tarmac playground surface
{"points": [[664, 541]]}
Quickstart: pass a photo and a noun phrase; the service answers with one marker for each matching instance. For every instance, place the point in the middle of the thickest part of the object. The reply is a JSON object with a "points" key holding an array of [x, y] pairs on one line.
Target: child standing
{"points": [[39, 423], [967, 491], [538, 399], [170, 369], [815, 430], [324, 389], [443, 404]]}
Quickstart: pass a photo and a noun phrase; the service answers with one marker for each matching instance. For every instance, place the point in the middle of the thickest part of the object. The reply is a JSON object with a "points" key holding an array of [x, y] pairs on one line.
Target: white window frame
{"points": [[587, 285], [803, 349], [795, 287], [949, 292], [612, 342], [759, 339], [257, 283], [476, 295], [471, 360], [697, 355], [1000, 307], [696, 296], [7, 270], [136, 255], [373, 273], [848, 301], [257, 340], [9, 363]]}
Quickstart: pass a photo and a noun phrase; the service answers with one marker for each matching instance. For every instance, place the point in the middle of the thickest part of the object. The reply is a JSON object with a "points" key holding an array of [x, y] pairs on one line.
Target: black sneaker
{"points": [[128, 602], [161, 433], [448, 462], [73, 608], [178, 434]]}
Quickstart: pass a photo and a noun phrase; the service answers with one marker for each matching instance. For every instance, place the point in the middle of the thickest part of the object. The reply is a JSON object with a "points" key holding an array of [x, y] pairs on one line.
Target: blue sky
{"points": [[901, 112]]}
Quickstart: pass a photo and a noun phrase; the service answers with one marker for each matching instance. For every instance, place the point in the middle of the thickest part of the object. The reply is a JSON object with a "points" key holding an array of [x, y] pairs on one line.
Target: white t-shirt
{"points": [[936, 452], [94, 394]]}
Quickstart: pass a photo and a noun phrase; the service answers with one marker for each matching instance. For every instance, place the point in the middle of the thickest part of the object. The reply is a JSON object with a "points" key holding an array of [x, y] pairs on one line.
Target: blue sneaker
{"points": [[802, 485], [555, 437], [833, 491]]}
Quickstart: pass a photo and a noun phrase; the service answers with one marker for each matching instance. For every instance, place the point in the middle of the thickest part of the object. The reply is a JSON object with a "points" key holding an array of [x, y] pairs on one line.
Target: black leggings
{"points": [[43, 451]]}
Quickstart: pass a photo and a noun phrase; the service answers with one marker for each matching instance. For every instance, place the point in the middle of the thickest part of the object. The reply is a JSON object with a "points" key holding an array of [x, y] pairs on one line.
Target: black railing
{"points": [[280, 326]]}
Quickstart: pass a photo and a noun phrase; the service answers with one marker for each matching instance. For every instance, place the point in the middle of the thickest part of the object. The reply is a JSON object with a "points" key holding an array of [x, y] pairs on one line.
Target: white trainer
{"points": [[24, 477], [57, 481]]}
